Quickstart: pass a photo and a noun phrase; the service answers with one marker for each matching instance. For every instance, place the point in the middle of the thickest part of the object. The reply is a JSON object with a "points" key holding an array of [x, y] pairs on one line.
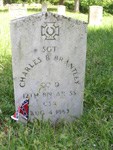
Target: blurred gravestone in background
{"points": [[17, 11], [1, 3], [95, 15], [44, 7], [61, 10]]}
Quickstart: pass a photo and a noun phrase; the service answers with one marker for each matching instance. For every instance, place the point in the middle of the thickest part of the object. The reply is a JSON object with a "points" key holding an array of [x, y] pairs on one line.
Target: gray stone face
{"points": [[49, 53], [95, 15]]}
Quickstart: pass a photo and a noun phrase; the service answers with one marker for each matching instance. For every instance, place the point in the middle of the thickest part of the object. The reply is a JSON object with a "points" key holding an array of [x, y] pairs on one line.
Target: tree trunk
{"points": [[76, 6], [61, 2], [41, 1]]}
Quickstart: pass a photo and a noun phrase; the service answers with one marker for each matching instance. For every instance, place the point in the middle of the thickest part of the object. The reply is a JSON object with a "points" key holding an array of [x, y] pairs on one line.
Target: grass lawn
{"points": [[94, 130]]}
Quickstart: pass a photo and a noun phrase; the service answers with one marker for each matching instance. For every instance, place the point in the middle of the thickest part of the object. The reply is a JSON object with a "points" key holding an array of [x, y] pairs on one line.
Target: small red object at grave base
{"points": [[23, 110]]}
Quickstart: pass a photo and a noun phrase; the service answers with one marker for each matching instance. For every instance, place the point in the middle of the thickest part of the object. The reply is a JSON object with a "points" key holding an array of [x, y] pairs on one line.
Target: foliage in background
{"points": [[84, 4], [69, 4], [107, 5]]}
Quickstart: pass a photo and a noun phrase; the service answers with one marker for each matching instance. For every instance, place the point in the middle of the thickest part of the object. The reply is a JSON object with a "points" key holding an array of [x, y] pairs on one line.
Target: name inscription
{"points": [[47, 57]]}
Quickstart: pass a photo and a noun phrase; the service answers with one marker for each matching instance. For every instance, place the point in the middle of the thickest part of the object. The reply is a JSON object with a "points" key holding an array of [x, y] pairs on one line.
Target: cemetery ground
{"points": [[94, 129]]}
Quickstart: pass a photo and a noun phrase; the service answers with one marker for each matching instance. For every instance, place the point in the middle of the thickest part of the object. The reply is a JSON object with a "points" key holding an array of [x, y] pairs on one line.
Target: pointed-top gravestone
{"points": [[49, 53]]}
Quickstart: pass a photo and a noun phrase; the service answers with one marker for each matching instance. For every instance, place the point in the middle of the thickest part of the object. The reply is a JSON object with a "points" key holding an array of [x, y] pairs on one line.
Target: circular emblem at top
{"points": [[50, 31]]}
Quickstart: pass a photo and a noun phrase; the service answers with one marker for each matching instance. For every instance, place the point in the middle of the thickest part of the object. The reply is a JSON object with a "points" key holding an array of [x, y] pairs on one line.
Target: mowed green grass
{"points": [[94, 130]]}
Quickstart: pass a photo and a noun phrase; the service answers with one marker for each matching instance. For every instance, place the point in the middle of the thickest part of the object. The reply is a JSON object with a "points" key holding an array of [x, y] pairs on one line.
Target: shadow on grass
{"points": [[98, 101], [6, 86], [99, 68], [3, 10], [39, 9]]}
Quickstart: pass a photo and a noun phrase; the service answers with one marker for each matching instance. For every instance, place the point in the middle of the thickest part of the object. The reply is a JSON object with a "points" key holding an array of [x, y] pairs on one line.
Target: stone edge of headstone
{"points": [[46, 14], [96, 6]]}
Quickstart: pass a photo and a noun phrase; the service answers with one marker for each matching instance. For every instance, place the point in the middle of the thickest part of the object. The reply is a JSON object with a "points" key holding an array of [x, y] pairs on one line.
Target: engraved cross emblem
{"points": [[49, 31]]}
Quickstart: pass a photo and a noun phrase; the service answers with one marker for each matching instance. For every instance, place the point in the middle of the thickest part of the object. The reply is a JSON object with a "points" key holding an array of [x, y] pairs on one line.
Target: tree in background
{"points": [[76, 5], [61, 2]]}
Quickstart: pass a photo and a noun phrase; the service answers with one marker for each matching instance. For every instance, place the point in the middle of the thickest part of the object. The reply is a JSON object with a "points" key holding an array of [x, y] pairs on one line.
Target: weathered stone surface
{"points": [[49, 54], [95, 15]]}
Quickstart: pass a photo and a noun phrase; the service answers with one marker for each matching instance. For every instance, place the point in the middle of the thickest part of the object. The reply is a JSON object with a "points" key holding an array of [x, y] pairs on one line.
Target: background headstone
{"points": [[17, 11], [37, 5], [44, 7], [1, 3], [61, 10], [95, 15], [49, 53]]}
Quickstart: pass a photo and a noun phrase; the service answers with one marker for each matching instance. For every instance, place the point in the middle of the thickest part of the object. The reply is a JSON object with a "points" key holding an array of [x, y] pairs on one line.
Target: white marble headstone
{"points": [[49, 53], [1, 3], [61, 10], [95, 15], [44, 7], [17, 11]]}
